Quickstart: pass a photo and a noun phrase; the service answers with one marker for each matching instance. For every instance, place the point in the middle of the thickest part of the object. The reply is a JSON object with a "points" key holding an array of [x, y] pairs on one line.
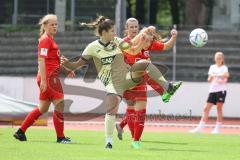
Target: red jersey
{"points": [[144, 54], [48, 49]]}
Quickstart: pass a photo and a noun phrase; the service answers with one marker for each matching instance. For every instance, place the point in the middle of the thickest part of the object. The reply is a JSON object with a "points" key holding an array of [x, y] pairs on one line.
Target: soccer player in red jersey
{"points": [[48, 81], [136, 98]]}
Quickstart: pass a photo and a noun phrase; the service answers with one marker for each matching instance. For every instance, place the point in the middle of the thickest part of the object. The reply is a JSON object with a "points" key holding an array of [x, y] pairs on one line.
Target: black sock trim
{"points": [[116, 95]]}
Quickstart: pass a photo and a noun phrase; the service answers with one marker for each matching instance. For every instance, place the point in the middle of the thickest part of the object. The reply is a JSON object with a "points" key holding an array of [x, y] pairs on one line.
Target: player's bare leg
{"points": [[112, 103], [216, 130], [141, 67], [203, 120], [31, 118]]}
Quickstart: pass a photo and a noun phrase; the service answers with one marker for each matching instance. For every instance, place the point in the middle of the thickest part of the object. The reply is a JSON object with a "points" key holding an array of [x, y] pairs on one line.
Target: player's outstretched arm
{"points": [[135, 49], [130, 48], [72, 65], [210, 78], [143, 34], [67, 72], [170, 43], [139, 41]]}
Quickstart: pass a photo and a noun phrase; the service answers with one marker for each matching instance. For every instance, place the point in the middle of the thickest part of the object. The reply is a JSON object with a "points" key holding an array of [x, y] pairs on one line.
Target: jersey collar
{"points": [[104, 45]]}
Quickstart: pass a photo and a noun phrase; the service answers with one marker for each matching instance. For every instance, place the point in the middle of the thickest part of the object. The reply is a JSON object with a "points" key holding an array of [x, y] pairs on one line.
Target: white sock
{"points": [[109, 140], [201, 124], [109, 127], [218, 125]]}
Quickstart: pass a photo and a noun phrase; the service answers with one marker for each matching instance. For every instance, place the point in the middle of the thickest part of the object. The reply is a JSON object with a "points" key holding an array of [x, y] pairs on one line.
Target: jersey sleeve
{"points": [[88, 53], [156, 46], [225, 69], [210, 71], [121, 43], [44, 47]]}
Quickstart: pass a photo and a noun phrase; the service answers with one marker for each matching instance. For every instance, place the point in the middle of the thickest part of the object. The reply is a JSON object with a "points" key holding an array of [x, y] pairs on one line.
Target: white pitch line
{"points": [[150, 124]]}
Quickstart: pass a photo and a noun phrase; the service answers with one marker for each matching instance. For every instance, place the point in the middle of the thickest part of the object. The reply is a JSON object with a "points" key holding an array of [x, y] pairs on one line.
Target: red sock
{"points": [[124, 121], [155, 86], [30, 119], [131, 120], [139, 124], [58, 122]]}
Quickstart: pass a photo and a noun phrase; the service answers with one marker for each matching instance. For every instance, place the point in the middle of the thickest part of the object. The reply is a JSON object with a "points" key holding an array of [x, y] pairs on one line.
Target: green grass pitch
{"points": [[89, 145]]}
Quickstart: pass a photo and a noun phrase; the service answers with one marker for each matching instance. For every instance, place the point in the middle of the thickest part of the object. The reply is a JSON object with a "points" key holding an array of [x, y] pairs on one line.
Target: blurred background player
{"points": [[48, 81], [136, 98], [217, 76], [114, 73]]}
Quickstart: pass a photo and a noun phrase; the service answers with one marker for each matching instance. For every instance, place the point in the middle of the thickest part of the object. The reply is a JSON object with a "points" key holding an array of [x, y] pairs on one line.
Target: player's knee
{"points": [[219, 108], [59, 106], [112, 110], [140, 65], [143, 61], [140, 105], [206, 110], [43, 110], [130, 104]]}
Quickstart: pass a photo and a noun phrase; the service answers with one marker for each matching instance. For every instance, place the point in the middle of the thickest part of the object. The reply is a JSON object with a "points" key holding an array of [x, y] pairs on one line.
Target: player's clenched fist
{"points": [[174, 32], [64, 60]]}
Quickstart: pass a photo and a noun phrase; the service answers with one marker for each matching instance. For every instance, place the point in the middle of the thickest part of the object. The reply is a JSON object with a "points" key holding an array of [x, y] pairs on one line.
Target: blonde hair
{"points": [[130, 20], [220, 54], [151, 33], [127, 22], [43, 21]]}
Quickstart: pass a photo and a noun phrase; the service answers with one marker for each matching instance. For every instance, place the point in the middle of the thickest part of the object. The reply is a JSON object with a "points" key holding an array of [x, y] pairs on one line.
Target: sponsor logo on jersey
{"points": [[44, 52], [107, 60], [146, 53], [137, 59]]}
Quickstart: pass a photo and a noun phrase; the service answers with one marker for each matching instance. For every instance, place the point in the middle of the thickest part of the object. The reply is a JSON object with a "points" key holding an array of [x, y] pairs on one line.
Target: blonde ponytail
{"points": [[41, 32]]}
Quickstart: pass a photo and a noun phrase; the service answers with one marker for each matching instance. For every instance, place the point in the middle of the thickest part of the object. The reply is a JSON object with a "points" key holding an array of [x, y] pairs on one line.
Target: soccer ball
{"points": [[198, 37]]}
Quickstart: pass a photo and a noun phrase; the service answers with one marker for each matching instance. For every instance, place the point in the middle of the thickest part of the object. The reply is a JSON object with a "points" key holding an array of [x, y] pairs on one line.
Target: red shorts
{"points": [[54, 89], [138, 93]]}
